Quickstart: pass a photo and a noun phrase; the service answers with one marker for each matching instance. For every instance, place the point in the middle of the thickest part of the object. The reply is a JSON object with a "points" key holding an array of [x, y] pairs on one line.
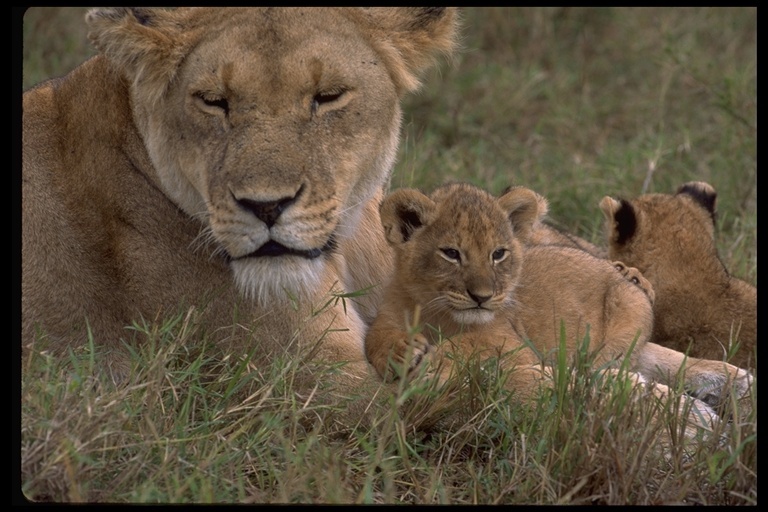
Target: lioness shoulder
{"points": [[700, 307], [545, 231]]}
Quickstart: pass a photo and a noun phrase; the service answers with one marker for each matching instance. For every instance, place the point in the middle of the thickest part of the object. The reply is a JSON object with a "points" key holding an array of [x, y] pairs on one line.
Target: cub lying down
{"points": [[700, 307], [463, 262]]}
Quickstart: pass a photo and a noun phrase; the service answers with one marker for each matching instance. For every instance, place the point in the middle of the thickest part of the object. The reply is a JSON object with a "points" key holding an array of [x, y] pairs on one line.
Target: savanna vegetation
{"points": [[575, 103]]}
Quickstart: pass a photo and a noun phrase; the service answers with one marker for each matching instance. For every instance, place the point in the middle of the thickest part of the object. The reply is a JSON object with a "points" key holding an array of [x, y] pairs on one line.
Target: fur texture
{"points": [[700, 308]]}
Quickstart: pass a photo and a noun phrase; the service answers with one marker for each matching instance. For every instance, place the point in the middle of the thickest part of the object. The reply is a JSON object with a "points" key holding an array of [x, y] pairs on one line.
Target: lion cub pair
{"points": [[466, 265]]}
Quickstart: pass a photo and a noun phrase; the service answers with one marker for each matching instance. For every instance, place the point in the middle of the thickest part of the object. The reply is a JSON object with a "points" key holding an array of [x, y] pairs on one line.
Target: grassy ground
{"points": [[575, 103]]}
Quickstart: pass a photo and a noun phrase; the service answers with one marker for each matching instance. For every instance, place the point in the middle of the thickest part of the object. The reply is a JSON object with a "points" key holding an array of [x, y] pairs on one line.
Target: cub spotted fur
{"points": [[461, 258], [226, 159], [700, 308]]}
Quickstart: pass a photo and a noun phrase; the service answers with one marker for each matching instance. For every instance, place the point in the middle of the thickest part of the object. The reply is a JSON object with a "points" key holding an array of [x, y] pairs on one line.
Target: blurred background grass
{"points": [[576, 103]]}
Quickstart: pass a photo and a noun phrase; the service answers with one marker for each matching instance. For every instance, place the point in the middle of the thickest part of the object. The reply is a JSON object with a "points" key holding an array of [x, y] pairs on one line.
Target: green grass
{"points": [[191, 426], [576, 103]]}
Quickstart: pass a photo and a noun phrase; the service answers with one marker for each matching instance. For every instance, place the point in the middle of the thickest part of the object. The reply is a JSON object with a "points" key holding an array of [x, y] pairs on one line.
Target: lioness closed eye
{"points": [[460, 258], [230, 159]]}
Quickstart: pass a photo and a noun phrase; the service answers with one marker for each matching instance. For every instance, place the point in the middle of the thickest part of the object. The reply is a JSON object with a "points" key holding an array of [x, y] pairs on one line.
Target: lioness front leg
{"points": [[636, 277], [707, 380]]}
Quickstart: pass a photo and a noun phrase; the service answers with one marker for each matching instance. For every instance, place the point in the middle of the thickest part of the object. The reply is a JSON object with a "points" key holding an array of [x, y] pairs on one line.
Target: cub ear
{"points": [[524, 208], [146, 45], [701, 192], [409, 39], [403, 212], [620, 219]]}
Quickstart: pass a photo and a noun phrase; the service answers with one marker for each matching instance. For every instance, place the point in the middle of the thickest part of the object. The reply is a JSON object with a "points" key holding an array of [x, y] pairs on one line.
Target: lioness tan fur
{"points": [[464, 263], [226, 159], [700, 307]]}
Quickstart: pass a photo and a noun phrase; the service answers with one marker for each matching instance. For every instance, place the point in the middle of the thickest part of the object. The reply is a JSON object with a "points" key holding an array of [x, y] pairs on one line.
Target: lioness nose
{"points": [[267, 211], [480, 299]]}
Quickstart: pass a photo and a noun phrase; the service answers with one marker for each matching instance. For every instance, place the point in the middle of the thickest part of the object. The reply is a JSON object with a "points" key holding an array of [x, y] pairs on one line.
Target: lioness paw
{"points": [[697, 413], [713, 381], [636, 277]]}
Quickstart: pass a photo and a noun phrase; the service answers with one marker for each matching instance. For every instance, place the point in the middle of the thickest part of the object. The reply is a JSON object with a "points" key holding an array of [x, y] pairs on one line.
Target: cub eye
{"points": [[450, 254], [212, 102], [499, 254]]}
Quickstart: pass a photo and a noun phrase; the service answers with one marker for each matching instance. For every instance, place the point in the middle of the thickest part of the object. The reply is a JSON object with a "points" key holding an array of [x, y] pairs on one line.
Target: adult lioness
{"points": [[230, 159], [461, 257], [700, 307]]}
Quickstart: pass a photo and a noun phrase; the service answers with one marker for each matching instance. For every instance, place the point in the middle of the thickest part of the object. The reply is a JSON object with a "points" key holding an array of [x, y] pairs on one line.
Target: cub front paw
{"points": [[408, 354]]}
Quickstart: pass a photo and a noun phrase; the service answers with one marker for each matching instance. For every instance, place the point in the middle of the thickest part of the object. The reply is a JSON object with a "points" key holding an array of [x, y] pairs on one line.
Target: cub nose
{"points": [[480, 299]]}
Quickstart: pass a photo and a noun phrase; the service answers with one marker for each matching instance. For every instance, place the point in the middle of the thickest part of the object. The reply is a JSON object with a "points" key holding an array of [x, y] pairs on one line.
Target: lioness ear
{"points": [[145, 44], [620, 219], [403, 212], [701, 192], [524, 208], [410, 38]]}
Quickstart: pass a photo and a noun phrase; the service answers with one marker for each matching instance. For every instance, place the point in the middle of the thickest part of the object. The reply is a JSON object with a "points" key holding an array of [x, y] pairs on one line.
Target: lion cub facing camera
{"points": [[463, 260]]}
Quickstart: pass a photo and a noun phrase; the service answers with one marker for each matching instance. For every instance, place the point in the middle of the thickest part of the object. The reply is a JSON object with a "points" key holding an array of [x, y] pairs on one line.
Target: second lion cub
{"points": [[700, 306], [463, 260]]}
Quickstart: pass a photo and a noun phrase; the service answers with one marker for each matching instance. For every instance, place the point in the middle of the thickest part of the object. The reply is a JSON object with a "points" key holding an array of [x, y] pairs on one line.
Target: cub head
{"points": [[665, 236], [274, 126], [459, 250]]}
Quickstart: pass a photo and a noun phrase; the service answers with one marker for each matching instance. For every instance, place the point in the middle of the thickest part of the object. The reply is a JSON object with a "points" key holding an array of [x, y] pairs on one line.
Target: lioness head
{"points": [[458, 250], [275, 126]]}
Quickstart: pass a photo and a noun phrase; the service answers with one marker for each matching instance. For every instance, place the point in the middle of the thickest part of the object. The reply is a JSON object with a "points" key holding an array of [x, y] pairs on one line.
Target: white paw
{"points": [[714, 387]]}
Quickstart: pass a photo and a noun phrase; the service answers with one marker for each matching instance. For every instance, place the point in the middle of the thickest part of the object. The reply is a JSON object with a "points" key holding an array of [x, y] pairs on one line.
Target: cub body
{"points": [[700, 308], [456, 263], [463, 260], [226, 159]]}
